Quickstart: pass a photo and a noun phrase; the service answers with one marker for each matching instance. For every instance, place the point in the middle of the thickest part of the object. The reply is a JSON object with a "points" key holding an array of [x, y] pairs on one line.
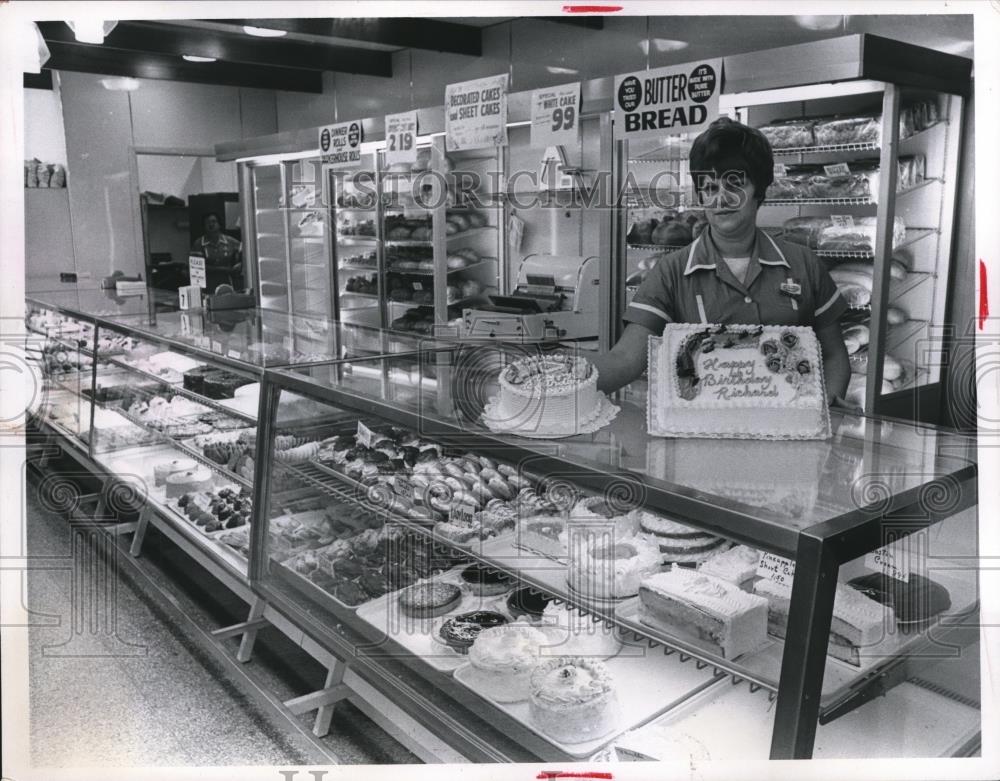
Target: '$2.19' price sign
{"points": [[777, 569]]}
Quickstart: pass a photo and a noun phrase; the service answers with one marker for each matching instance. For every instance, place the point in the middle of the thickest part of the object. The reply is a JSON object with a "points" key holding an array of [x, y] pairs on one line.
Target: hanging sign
{"points": [[340, 144], [401, 138], [196, 271], [555, 116], [667, 101], [476, 113]]}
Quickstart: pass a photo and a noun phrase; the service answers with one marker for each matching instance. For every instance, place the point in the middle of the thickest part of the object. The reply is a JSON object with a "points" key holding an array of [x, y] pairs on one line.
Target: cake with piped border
{"points": [[573, 699], [737, 381]]}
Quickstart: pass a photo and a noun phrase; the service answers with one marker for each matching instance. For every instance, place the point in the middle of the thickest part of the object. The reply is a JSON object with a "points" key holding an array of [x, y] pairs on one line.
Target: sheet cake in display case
{"points": [[737, 381]]}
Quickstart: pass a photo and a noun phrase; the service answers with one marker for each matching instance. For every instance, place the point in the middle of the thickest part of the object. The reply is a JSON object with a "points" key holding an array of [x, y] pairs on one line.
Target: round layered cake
{"points": [[460, 632], [555, 392], [572, 699], [164, 469], [610, 566], [502, 659], [679, 543], [527, 603], [180, 483], [576, 634]]}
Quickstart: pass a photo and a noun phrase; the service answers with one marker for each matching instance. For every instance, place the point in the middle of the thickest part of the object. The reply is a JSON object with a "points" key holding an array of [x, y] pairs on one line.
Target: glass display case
{"points": [[416, 488], [288, 248]]}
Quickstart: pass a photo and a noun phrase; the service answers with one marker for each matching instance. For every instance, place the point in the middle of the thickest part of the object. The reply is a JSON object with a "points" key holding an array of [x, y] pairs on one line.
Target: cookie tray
{"points": [[764, 666], [417, 635], [646, 686], [923, 724]]}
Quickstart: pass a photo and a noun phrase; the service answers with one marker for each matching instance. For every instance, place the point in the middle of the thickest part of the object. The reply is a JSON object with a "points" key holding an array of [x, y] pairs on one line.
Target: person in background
{"points": [[223, 254], [733, 273]]}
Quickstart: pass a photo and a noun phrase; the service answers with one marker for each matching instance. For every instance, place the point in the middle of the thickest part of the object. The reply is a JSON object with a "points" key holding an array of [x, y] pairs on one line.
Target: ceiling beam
{"points": [[104, 60], [167, 39], [591, 22], [404, 32]]}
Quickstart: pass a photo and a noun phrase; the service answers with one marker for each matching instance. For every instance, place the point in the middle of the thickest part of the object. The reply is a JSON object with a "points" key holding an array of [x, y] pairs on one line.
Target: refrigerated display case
{"points": [[288, 249], [866, 165], [824, 505]]}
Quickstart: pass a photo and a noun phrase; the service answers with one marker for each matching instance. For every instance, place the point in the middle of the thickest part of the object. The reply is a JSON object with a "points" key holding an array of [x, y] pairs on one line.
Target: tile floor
{"points": [[143, 693]]}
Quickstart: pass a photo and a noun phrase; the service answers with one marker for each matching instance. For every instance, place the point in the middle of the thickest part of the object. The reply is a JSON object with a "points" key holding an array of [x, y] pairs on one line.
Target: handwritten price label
{"points": [[403, 488], [842, 220], [780, 169], [366, 437], [837, 169], [777, 569], [893, 562], [234, 354], [462, 514]]}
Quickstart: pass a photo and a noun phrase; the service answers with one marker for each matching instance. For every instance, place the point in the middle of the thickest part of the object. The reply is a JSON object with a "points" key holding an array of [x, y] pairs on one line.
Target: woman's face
{"points": [[729, 203], [211, 224]]}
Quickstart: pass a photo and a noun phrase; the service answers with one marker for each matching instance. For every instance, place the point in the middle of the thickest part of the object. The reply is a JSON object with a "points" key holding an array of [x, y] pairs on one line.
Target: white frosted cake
{"points": [[554, 394], [572, 699], [859, 631], [738, 381], [737, 565], [502, 658], [180, 483], [164, 469], [705, 611], [610, 565]]}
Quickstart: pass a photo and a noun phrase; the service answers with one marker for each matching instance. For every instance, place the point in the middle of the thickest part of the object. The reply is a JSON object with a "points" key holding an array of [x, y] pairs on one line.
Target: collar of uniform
{"points": [[703, 254]]}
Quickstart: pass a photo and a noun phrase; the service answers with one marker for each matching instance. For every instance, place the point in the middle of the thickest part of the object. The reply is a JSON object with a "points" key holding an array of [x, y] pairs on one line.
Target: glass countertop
{"points": [[788, 485], [88, 301]]}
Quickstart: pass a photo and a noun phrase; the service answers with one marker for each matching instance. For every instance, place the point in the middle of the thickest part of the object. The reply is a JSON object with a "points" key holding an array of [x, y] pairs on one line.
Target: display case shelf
{"points": [[866, 201], [901, 332], [357, 241], [866, 146], [418, 273], [180, 390]]}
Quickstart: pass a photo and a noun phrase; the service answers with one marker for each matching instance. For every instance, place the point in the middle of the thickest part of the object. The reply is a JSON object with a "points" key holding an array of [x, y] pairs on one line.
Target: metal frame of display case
{"points": [[818, 550]]}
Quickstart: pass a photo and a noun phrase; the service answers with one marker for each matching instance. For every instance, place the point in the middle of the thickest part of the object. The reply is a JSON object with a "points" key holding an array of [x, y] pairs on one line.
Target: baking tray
{"points": [[646, 685], [910, 721], [416, 635], [764, 666]]}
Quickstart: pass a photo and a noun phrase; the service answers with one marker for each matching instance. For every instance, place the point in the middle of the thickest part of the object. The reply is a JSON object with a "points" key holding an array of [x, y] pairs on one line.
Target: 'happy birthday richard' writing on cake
{"points": [[735, 379]]}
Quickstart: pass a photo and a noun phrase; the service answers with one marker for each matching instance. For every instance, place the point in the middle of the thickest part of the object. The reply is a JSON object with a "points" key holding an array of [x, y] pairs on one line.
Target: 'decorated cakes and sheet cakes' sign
{"points": [[476, 113]]}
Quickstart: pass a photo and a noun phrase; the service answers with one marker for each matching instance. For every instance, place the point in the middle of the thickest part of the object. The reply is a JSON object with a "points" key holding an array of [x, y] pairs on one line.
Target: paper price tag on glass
{"points": [[837, 169], [217, 347], [196, 270], [235, 354], [892, 561], [418, 286], [366, 437], [462, 514], [780, 169], [777, 569], [403, 488], [842, 220], [401, 137]]}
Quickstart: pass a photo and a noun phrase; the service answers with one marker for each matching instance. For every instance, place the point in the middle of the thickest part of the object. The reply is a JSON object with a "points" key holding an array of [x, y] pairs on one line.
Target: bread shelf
{"points": [[418, 273], [865, 146], [902, 332], [866, 201], [357, 241]]}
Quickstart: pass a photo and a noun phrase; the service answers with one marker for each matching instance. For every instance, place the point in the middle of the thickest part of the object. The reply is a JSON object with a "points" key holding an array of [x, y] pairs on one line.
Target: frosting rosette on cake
{"points": [[502, 659], [573, 699]]}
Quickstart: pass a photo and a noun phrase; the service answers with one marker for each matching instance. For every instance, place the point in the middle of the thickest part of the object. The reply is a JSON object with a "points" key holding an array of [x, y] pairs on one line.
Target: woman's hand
{"points": [[626, 361]]}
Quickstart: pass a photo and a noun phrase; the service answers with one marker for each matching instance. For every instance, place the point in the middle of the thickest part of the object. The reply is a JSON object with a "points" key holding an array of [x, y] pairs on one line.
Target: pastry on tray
{"points": [[461, 631], [527, 603], [484, 582], [426, 600], [913, 601], [502, 659]]}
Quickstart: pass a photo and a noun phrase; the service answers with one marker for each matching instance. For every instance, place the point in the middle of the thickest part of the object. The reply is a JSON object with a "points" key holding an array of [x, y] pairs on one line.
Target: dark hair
{"points": [[206, 215], [728, 145]]}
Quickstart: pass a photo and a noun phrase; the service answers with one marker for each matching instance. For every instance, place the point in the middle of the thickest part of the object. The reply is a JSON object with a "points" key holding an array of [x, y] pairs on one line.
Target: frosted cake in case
{"points": [[551, 395], [739, 381]]}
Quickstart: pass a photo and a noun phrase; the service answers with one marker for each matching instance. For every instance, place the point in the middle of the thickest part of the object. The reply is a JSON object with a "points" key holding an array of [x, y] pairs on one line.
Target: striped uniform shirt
{"points": [[785, 284]]}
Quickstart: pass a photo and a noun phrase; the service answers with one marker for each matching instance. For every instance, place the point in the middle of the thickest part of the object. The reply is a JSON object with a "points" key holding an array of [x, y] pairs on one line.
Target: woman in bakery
{"points": [[733, 272], [223, 254]]}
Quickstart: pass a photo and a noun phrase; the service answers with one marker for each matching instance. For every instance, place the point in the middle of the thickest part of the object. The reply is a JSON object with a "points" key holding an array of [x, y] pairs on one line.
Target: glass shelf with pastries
{"points": [[538, 511]]}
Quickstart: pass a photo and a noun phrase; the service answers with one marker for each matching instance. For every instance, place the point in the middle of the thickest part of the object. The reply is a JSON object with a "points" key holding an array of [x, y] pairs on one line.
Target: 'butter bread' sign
{"points": [[667, 101]]}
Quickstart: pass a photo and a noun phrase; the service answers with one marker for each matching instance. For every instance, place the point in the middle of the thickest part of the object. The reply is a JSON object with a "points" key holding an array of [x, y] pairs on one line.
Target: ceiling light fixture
{"points": [[120, 83], [560, 71], [90, 30], [819, 22], [263, 32], [197, 58], [663, 45]]}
